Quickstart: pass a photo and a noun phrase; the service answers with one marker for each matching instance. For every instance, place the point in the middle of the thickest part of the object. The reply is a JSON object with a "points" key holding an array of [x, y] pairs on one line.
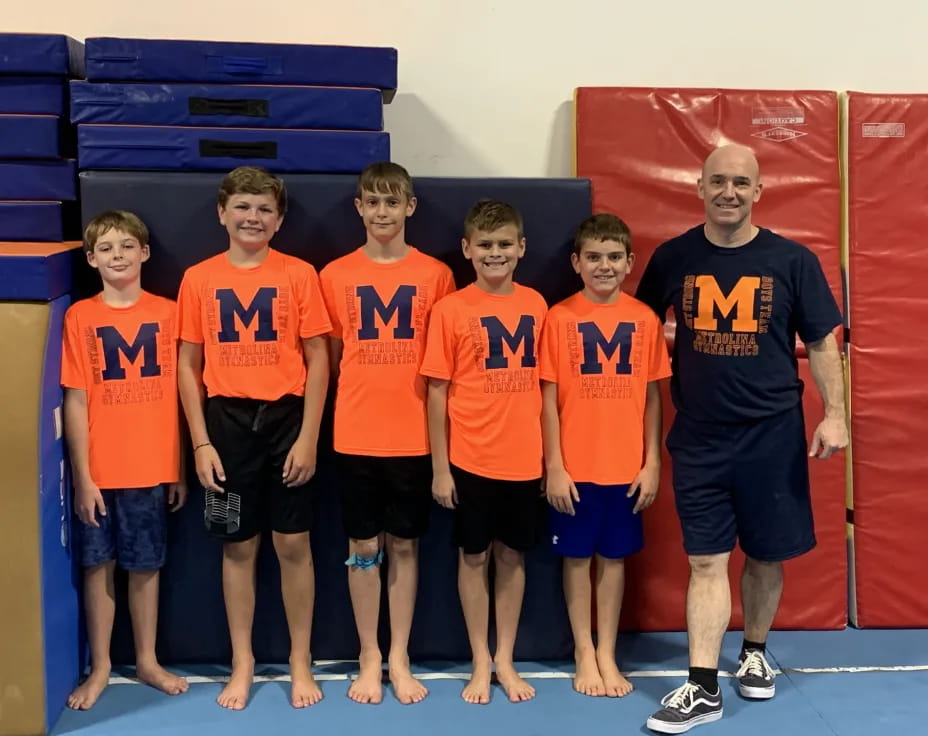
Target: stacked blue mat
{"points": [[36, 175], [162, 105]]}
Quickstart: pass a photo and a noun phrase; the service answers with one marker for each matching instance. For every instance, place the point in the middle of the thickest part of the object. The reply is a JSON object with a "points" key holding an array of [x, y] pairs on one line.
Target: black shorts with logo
{"points": [[509, 511], [253, 438]]}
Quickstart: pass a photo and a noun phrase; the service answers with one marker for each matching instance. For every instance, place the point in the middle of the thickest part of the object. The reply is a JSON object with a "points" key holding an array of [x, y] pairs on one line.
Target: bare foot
{"points": [[616, 686], [407, 688], [234, 695], [587, 680], [304, 690], [155, 675], [515, 687], [368, 688], [89, 690], [477, 691]]}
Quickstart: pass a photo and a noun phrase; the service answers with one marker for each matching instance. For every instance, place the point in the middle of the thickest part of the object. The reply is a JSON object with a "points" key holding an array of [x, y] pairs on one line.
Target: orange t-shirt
{"points": [[251, 323], [380, 312], [126, 361], [486, 345], [602, 356]]}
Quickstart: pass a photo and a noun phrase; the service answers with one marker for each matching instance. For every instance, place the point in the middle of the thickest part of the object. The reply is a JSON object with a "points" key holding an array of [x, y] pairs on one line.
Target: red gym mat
{"points": [[643, 148], [888, 216]]}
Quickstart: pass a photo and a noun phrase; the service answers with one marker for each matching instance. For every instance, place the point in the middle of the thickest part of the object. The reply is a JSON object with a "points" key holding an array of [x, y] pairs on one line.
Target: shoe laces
{"points": [[682, 696], [754, 664]]}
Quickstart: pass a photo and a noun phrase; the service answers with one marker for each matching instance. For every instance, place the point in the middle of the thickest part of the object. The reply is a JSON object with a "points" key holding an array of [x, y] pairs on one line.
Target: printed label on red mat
{"points": [[778, 116], [882, 130], [778, 134]]}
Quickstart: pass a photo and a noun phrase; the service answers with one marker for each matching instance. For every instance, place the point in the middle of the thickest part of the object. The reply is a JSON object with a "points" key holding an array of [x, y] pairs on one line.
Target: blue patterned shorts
{"points": [[133, 532]]}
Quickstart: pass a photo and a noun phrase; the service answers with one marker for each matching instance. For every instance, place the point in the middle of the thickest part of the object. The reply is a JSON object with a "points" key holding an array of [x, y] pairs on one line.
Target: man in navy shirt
{"points": [[740, 295]]}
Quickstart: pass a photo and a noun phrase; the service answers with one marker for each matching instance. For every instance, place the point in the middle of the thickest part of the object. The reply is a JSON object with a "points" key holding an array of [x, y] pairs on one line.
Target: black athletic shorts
{"points": [[509, 511], [253, 439], [385, 494]]}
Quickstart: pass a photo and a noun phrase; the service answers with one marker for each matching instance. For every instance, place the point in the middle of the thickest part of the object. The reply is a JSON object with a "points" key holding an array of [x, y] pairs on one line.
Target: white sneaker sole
{"points": [[664, 727], [757, 693]]}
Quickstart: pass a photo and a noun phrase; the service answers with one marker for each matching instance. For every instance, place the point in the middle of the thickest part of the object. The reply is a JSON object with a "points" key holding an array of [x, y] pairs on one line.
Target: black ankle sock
{"points": [[757, 645], [706, 678]]}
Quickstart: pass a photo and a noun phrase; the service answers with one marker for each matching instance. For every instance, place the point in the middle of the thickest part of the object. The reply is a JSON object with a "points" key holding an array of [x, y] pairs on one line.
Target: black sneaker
{"points": [[755, 677], [687, 706]]}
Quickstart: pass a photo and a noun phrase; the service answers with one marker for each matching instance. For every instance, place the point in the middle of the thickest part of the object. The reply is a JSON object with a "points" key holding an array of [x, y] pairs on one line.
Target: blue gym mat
{"points": [[160, 148], [33, 95], [245, 106], [32, 221], [41, 53], [30, 136], [55, 180], [124, 59]]}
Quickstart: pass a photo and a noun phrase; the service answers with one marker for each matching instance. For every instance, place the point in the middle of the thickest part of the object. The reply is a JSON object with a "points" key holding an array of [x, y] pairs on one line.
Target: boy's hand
{"points": [[561, 491], [646, 483], [88, 501], [209, 468], [443, 490], [300, 464], [177, 495]]}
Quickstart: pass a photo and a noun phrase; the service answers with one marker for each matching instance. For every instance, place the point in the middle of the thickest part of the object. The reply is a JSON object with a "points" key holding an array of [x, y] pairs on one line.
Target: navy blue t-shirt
{"points": [[738, 312]]}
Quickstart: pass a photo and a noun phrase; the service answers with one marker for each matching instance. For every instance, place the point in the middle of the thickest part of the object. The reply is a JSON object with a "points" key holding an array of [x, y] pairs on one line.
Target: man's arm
{"points": [[828, 372]]}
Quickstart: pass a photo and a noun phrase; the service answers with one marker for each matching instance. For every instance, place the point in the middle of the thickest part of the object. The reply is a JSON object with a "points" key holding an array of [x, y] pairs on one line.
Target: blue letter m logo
{"points": [[145, 343], [594, 341], [497, 333], [400, 303], [262, 306]]}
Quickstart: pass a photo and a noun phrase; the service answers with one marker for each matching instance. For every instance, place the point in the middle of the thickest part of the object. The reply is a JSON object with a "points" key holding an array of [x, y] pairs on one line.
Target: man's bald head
{"points": [[729, 187], [732, 156]]}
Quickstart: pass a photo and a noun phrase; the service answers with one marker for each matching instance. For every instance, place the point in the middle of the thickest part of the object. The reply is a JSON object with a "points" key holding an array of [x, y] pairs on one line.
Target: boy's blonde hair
{"points": [[253, 180], [491, 214], [385, 177], [603, 227], [123, 220]]}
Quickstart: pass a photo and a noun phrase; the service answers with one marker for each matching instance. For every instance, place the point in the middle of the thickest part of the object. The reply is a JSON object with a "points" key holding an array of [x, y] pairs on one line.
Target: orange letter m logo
{"points": [[739, 300]]}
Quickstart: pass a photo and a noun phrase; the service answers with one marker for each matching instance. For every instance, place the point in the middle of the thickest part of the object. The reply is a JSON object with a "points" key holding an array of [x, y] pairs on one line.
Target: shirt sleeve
{"points": [[660, 361], [445, 284], [548, 354], [314, 317], [72, 372], [817, 312], [438, 361], [326, 283], [189, 310], [651, 289]]}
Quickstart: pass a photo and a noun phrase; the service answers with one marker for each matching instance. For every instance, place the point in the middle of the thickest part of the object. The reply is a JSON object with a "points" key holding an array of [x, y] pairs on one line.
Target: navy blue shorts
{"points": [[133, 532], [603, 523], [748, 482]]}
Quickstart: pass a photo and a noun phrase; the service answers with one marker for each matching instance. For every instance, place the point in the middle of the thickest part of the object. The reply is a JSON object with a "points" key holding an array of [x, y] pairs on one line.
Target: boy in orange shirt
{"points": [[379, 298], [119, 367], [602, 354], [252, 329], [484, 414]]}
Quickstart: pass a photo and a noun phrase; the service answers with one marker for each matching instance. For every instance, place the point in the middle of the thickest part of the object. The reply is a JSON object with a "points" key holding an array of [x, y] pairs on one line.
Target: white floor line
{"points": [[548, 675]]}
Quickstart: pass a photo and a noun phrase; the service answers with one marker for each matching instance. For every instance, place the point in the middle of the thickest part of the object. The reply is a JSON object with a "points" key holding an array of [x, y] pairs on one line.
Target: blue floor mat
{"points": [[842, 704]]}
